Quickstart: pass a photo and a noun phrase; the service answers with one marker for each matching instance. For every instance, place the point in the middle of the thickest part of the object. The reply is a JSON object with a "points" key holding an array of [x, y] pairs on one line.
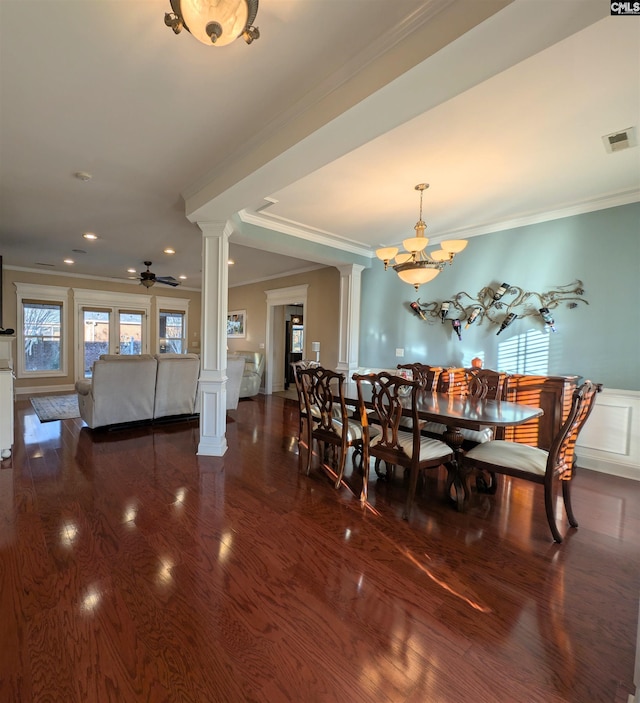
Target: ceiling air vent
{"points": [[620, 140]]}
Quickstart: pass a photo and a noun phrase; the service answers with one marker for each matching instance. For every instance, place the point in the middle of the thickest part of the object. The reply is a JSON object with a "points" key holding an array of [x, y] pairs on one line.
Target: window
{"points": [[41, 335], [172, 325], [172, 332], [41, 329]]}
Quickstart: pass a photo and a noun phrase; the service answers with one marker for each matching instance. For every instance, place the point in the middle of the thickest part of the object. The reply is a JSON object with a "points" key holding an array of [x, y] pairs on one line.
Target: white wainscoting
{"points": [[610, 440]]}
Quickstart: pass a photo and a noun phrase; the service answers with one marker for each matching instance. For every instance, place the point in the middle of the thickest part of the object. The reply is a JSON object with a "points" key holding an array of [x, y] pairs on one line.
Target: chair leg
{"points": [[551, 519], [341, 462], [413, 482], [566, 497], [309, 455], [365, 476]]}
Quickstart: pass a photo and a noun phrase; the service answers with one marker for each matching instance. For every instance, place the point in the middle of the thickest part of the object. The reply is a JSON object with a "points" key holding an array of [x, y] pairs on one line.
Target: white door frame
{"points": [[295, 295], [113, 302]]}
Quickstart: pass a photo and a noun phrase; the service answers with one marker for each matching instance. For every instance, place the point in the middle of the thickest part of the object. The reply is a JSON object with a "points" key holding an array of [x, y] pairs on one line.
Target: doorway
{"points": [[293, 341], [277, 302]]}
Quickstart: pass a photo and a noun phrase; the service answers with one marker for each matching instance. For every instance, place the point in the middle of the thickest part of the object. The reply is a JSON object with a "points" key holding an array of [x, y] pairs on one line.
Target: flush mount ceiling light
{"points": [[218, 22], [414, 265]]}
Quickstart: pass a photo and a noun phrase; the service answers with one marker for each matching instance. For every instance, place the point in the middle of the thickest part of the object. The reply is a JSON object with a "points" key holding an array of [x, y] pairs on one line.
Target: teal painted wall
{"points": [[600, 341]]}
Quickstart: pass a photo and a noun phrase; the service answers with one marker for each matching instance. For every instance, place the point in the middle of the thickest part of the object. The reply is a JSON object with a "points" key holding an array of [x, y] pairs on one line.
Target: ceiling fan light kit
{"points": [[214, 22], [148, 278], [414, 265]]}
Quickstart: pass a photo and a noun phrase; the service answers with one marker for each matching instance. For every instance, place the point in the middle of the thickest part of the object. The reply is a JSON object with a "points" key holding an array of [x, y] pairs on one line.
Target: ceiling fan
{"points": [[148, 278]]}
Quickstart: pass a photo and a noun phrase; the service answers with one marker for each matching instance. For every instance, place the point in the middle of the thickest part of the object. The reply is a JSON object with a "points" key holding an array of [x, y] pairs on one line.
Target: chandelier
{"points": [[218, 22], [414, 265]]}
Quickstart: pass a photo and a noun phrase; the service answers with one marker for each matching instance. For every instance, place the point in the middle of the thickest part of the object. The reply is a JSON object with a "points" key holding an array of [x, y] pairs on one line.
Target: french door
{"points": [[111, 331]]}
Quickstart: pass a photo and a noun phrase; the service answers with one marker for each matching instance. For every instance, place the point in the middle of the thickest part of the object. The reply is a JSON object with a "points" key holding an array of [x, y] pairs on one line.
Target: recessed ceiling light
{"points": [[83, 176], [231, 262], [69, 261], [90, 235], [131, 271], [168, 250], [182, 278]]}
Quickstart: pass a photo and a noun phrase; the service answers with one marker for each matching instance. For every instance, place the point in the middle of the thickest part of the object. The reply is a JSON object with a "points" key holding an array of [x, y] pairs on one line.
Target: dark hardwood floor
{"points": [[133, 570]]}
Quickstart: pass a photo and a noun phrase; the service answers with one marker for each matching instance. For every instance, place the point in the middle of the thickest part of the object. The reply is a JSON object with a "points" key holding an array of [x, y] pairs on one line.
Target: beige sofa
{"points": [[252, 374], [176, 384], [125, 389]]}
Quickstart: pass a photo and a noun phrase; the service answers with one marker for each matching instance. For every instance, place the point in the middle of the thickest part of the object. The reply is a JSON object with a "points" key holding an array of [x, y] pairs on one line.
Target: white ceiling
{"points": [[320, 129]]}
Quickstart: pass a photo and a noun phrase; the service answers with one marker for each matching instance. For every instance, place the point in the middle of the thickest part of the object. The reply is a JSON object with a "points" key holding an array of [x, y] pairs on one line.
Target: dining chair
{"points": [[476, 383], [491, 385], [390, 396], [427, 375], [486, 383], [302, 412], [330, 424], [538, 465], [452, 381]]}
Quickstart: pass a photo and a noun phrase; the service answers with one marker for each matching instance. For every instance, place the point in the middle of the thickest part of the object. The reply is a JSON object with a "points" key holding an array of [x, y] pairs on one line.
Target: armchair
{"points": [[252, 374]]}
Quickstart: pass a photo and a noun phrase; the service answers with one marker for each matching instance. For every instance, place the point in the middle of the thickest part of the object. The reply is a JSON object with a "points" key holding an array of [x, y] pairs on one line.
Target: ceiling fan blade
{"points": [[168, 280]]}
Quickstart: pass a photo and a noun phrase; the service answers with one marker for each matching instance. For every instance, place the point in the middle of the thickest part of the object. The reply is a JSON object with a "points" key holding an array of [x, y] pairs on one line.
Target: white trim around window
{"points": [[42, 294], [166, 304]]}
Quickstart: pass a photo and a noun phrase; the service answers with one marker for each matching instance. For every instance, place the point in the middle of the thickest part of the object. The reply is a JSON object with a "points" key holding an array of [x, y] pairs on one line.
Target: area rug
{"points": [[56, 407]]}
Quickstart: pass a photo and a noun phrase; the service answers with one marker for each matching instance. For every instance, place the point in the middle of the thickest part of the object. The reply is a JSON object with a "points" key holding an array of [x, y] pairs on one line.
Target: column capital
{"points": [[350, 269], [216, 228]]}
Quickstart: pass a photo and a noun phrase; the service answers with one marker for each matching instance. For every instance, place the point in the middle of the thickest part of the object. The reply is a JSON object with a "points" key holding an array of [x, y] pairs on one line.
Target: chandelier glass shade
{"points": [[414, 265], [217, 22]]}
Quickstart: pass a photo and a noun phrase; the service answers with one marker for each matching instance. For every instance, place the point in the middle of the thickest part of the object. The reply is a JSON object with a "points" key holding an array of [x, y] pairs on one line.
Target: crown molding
{"points": [[301, 231]]}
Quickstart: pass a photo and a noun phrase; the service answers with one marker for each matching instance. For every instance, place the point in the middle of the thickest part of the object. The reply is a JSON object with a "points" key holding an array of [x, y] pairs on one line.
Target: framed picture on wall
{"points": [[237, 323]]}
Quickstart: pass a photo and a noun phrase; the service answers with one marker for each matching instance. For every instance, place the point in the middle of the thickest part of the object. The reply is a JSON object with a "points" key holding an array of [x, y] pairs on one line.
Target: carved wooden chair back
{"points": [[426, 375], [492, 385], [302, 413], [453, 381], [485, 383], [391, 396]]}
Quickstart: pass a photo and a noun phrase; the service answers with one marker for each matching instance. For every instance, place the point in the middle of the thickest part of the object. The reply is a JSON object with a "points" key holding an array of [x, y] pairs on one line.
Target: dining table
{"points": [[457, 412]]}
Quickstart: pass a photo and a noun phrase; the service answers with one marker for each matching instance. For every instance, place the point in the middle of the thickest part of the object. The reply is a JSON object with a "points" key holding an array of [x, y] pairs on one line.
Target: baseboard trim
{"points": [[49, 390], [609, 467]]}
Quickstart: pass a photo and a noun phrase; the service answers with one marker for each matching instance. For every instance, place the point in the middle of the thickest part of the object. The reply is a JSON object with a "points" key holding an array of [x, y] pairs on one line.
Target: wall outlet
{"points": [[261, 345], [399, 352]]}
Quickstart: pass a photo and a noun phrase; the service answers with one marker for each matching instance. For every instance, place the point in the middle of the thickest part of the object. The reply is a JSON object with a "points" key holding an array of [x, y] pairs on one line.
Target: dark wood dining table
{"points": [[458, 412]]}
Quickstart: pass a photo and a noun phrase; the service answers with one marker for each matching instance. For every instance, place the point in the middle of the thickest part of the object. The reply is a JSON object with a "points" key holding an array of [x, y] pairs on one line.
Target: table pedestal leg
{"points": [[453, 437]]}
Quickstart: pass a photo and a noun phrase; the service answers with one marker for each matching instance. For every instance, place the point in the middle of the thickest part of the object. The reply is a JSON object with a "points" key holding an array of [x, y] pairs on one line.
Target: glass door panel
{"points": [[96, 326], [130, 332]]}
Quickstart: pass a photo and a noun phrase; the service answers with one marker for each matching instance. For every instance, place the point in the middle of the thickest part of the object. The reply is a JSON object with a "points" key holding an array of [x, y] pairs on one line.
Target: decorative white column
{"points": [[349, 339], [213, 357]]}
